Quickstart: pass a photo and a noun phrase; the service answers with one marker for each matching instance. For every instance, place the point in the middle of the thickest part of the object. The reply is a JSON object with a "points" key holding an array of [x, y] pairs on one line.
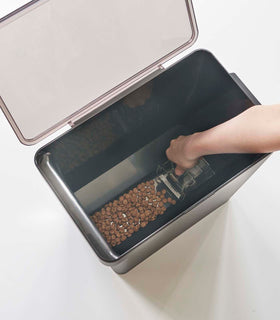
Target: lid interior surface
{"points": [[58, 57]]}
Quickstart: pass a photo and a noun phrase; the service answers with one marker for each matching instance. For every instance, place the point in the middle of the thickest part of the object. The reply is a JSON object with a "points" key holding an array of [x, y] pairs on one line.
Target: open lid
{"points": [[60, 59]]}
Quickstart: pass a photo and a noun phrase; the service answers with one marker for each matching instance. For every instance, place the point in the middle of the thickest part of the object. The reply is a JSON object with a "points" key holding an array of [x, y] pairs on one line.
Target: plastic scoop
{"points": [[178, 186]]}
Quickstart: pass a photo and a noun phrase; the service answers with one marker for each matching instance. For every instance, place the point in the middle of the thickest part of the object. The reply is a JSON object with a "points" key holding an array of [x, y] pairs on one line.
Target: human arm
{"points": [[256, 130]]}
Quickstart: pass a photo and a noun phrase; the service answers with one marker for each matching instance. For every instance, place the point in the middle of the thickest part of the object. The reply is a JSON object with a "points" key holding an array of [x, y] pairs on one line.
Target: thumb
{"points": [[179, 171]]}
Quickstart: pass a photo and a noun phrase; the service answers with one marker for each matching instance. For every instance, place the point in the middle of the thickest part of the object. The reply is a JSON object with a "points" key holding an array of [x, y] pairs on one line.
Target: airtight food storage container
{"points": [[106, 70]]}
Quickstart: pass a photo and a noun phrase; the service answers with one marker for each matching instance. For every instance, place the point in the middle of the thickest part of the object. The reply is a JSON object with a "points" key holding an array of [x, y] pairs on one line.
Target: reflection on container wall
{"points": [[124, 144]]}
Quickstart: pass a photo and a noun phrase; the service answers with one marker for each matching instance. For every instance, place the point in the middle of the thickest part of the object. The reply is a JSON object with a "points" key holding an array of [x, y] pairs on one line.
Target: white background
{"points": [[7, 7], [225, 267]]}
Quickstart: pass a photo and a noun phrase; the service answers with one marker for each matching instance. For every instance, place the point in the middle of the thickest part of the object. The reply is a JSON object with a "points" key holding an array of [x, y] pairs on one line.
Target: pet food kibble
{"points": [[142, 216], [121, 218], [143, 224]]}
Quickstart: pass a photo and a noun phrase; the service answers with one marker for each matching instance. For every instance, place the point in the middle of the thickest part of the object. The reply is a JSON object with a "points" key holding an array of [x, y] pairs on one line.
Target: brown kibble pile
{"points": [[119, 219]]}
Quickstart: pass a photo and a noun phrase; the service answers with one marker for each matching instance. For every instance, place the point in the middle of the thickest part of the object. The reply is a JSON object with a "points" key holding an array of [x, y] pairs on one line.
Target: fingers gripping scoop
{"points": [[179, 186]]}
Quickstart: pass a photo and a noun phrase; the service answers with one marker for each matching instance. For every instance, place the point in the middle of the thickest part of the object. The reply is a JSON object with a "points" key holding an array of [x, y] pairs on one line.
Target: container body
{"points": [[122, 146], [184, 222]]}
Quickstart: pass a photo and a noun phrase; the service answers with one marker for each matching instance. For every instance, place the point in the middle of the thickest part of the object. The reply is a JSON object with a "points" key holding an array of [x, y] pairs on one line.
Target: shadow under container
{"points": [[123, 145]]}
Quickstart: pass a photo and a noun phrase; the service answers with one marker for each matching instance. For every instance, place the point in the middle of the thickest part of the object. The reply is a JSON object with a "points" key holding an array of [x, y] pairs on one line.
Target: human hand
{"points": [[255, 130], [182, 153]]}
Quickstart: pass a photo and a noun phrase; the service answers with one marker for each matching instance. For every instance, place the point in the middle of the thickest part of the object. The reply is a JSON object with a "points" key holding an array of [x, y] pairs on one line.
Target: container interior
{"points": [[122, 146]]}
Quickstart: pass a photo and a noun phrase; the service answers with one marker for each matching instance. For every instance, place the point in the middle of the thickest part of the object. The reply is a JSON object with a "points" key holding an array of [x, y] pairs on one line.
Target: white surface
{"points": [[62, 55], [7, 7], [224, 268]]}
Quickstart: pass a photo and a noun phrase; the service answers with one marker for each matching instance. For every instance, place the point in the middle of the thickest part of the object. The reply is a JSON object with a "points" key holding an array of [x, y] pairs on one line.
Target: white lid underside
{"points": [[60, 56]]}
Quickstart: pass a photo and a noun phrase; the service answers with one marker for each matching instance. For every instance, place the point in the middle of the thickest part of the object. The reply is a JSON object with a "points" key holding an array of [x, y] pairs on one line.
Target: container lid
{"points": [[59, 59]]}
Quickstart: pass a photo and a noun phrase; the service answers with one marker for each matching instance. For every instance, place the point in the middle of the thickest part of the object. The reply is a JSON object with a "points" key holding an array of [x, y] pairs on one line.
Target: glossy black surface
{"points": [[194, 95]]}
